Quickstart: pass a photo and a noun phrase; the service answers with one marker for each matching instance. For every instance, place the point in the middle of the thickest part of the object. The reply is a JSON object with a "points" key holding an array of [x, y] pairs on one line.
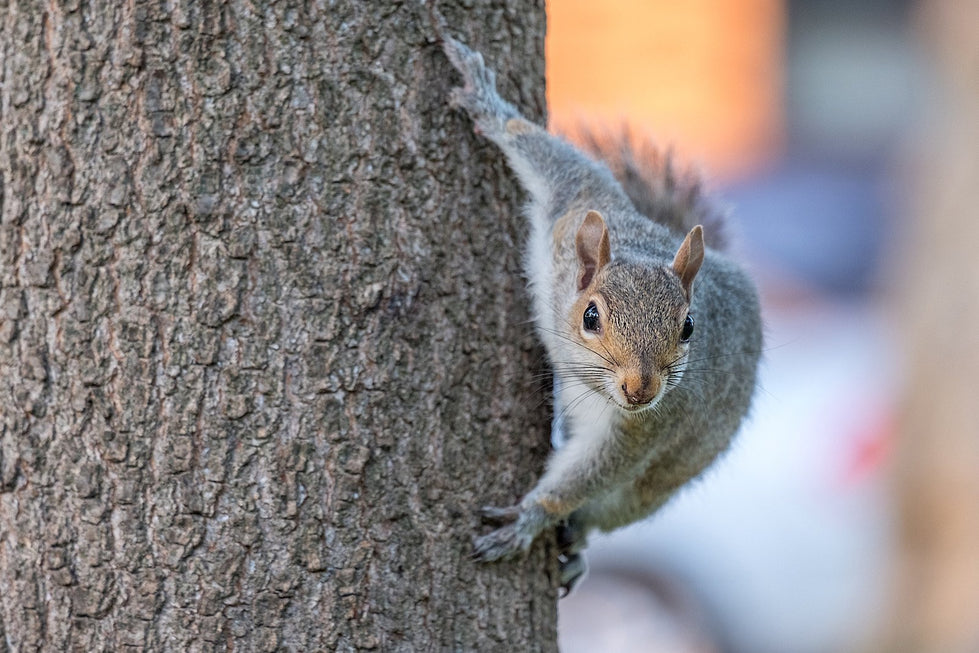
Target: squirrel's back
{"points": [[657, 189]]}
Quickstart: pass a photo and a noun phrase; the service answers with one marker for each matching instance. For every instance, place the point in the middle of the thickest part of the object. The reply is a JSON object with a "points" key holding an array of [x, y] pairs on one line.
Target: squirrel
{"points": [[653, 337]]}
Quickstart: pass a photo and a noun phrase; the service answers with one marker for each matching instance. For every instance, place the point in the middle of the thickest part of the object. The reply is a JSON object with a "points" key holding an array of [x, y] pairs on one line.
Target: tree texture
{"points": [[264, 342]]}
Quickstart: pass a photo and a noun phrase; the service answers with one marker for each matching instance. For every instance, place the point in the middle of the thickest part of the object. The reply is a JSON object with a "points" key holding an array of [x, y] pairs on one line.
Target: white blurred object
{"points": [[635, 613]]}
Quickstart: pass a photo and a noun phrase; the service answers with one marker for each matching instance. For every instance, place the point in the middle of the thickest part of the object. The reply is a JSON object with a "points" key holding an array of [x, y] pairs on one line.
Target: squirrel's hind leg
{"points": [[571, 540], [572, 568]]}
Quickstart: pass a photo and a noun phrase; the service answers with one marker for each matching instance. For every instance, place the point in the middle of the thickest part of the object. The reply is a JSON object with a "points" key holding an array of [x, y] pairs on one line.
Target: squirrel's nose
{"points": [[640, 390]]}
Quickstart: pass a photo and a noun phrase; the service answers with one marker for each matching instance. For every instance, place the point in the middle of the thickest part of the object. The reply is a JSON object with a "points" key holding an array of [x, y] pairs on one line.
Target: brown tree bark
{"points": [[264, 342]]}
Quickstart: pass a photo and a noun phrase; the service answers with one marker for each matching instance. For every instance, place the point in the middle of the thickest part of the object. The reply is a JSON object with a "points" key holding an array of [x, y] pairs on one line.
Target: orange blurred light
{"points": [[702, 76]]}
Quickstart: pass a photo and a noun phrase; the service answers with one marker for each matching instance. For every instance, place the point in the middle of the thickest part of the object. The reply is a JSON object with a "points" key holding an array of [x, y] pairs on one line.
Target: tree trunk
{"points": [[936, 606], [265, 342]]}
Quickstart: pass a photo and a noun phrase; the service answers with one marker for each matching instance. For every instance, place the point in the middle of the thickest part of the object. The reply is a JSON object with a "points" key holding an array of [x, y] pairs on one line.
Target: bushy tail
{"points": [[658, 190]]}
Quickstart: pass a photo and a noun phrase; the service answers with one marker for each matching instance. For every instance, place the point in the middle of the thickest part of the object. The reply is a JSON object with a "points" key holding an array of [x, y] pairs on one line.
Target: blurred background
{"points": [[843, 137]]}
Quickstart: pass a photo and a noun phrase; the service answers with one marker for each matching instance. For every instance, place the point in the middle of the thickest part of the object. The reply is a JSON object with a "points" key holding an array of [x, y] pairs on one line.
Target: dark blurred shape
{"points": [[851, 79], [824, 212]]}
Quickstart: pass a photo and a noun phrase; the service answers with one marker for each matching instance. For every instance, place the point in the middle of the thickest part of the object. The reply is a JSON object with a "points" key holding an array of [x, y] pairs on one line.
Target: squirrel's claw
{"points": [[477, 96], [506, 541], [572, 569], [502, 544], [527, 520], [469, 63], [494, 515]]}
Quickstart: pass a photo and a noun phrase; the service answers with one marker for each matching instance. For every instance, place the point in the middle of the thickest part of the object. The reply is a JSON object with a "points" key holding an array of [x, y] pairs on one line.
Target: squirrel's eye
{"points": [[590, 319], [687, 329]]}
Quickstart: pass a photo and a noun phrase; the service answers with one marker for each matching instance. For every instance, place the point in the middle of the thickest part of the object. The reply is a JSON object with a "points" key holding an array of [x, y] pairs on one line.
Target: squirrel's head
{"points": [[634, 319]]}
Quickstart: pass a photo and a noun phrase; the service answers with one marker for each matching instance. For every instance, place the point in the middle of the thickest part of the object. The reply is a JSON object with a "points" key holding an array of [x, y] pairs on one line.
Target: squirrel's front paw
{"points": [[506, 541], [477, 96], [502, 544], [475, 75], [494, 515]]}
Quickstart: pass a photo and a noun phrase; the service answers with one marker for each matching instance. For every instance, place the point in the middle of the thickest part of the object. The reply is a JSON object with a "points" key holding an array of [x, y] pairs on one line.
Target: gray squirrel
{"points": [[654, 338]]}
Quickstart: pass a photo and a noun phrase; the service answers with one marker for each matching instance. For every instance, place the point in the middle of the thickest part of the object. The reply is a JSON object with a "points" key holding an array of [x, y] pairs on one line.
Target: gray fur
{"points": [[616, 466]]}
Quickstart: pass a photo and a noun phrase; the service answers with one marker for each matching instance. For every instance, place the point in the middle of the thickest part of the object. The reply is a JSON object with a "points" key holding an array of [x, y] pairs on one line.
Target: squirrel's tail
{"points": [[658, 190]]}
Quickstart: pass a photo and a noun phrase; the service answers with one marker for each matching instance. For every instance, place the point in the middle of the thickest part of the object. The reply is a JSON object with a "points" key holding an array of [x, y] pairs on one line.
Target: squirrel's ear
{"points": [[688, 258], [593, 248]]}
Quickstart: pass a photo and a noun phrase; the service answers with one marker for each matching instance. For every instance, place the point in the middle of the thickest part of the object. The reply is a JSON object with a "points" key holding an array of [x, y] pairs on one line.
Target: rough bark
{"points": [[263, 334]]}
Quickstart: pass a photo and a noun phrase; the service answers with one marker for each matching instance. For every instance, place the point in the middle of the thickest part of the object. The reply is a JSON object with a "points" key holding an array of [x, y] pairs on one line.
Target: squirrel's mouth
{"points": [[634, 409]]}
